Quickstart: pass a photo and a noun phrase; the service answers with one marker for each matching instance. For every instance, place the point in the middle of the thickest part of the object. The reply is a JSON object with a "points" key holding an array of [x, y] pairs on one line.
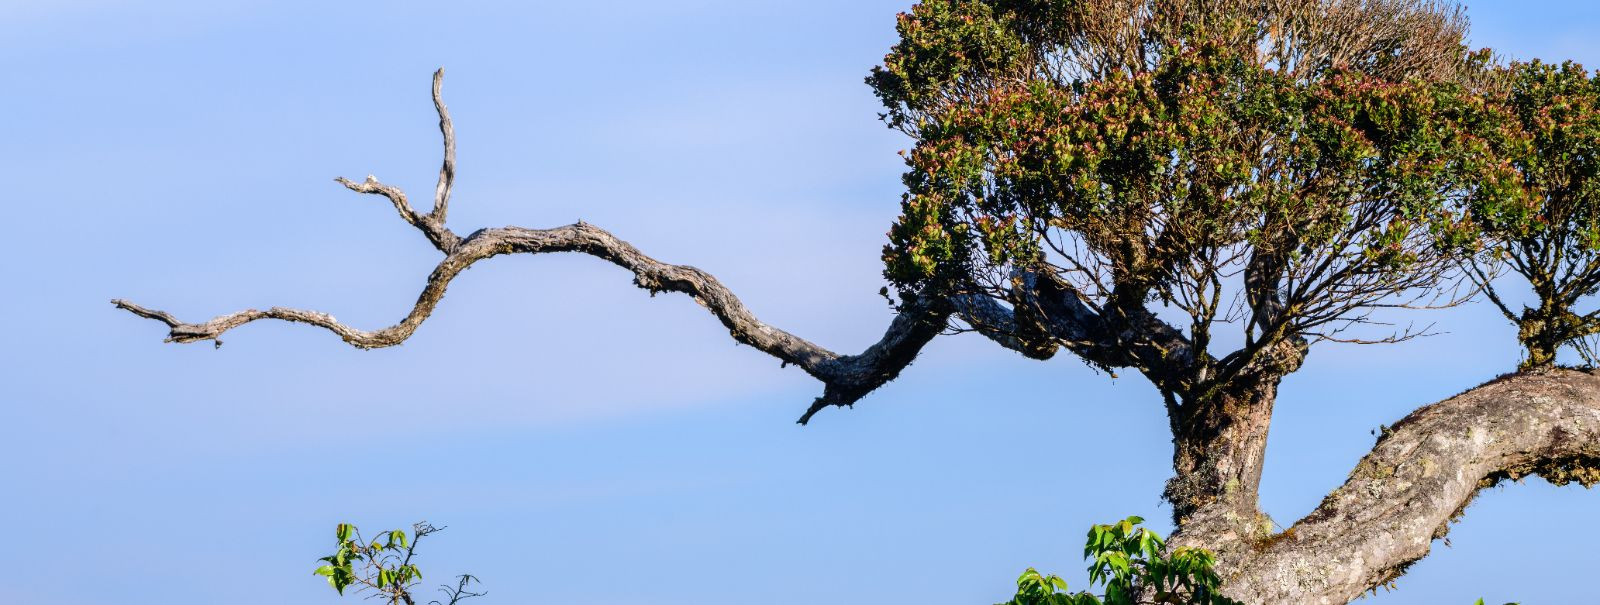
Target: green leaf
{"points": [[1058, 583], [1116, 595], [340, 579], [1026, 573]]}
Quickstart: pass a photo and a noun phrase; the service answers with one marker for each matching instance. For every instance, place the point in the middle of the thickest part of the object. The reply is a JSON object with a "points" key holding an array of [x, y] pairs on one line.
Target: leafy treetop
{"points": [[1537, 199], [1148, 163]]}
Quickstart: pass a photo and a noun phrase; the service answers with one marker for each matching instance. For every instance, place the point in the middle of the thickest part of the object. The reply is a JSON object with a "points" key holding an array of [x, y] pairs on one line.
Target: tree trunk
{"points": [[1542, 331], [1219, 448]]}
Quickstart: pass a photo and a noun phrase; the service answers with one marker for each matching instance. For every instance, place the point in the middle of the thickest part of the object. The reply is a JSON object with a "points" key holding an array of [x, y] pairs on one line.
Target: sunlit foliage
{"points": [[1129, 562], [1150, 160], [1537, 198]]}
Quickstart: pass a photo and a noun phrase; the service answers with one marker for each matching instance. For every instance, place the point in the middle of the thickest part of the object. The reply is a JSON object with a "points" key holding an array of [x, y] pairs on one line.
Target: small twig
{"points": [[161, 316], [395, 195], [430, 225], [459, 592]]}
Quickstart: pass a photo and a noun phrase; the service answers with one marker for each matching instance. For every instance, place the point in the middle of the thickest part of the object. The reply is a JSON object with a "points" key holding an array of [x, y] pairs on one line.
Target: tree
{"points": [[1154, 169], [1538, 200], [383, 568], [1084, 172]]}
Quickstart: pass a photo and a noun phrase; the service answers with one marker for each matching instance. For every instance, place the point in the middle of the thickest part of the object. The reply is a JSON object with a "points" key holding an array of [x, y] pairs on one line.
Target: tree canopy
{"points": [[1145, 167], [1536, 197]]}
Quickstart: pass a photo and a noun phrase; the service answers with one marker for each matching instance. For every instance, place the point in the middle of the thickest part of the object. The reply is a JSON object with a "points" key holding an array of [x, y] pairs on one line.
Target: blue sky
{"points": [[585, 443]]}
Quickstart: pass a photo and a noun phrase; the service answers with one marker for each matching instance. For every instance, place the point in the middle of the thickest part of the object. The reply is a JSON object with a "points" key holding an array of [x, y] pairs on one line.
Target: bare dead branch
{"points": [[395, 195], [161, 316], [212, 330], [447, 172], [846, 378], [431, 224], [441, 236]]}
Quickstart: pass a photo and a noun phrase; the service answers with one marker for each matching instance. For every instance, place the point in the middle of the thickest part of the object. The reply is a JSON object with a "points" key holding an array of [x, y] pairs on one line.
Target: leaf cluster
{"points": [[951, 51], [383, 565], [1129, 561]]}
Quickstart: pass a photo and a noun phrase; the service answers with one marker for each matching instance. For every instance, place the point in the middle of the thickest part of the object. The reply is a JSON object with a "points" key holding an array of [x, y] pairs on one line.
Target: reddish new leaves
{"points": [[1159, 185], [1536, 196]]}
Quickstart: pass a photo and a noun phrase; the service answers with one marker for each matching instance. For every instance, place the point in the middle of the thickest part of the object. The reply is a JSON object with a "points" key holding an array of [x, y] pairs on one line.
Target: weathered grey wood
{"points": [[847, 377]]}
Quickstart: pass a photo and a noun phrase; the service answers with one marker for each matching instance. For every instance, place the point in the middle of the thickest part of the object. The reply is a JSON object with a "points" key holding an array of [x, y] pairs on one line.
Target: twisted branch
{"points": [[846, 378]]}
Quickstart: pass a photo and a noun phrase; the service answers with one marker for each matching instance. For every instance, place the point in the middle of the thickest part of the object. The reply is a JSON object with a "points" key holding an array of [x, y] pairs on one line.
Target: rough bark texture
{"points": [[1219, 449], [1419, 478], [1546, 329]]}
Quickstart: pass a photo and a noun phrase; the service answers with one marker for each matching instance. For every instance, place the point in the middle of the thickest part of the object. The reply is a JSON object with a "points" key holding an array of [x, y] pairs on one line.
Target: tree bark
{"points": [[1419, 478], [1543, 331], [1219, 447]]}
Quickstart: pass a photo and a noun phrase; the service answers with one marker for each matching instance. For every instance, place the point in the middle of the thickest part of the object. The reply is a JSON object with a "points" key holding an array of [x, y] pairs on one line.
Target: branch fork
{"points": [[846, 378]]}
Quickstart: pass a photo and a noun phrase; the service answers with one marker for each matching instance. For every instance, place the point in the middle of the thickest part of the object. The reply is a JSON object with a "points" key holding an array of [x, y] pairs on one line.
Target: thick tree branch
{"points": [[993, 320], [1047, 314], [847, 378], [1419, 478]]}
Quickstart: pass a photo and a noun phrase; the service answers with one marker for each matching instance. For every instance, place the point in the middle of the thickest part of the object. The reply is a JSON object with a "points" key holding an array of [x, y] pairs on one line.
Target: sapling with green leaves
{"points": [[1135, 567], [385, 566]]}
